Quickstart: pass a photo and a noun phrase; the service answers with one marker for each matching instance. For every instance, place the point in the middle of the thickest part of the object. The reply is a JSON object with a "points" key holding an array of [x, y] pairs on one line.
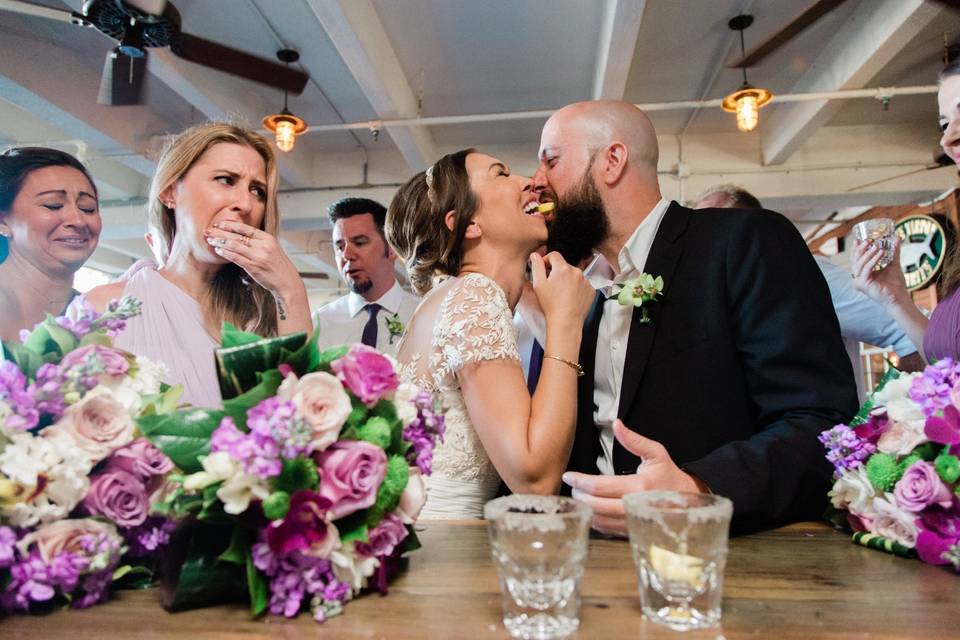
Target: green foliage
{"points": [[376, 431], [266, 387], [26, 359], [907, 462], [927, 451], [211, 509], [239, 365], [160, 403], [256, 587], [306, 358], [239, 547], [358, 414], [947, 466], [276, 505], [388, 496], [182, 435], [50, 338], [864, 413], [297, 474], [329, 355], [353, 527], [883, 471]]}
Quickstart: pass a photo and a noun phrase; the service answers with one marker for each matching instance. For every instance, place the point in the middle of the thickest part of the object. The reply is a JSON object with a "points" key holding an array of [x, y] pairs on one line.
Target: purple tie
{"points": [[370, 329]]}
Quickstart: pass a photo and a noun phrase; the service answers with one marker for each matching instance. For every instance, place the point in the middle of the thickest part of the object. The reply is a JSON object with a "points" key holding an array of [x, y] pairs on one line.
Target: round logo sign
{"points": [[922, 249]]}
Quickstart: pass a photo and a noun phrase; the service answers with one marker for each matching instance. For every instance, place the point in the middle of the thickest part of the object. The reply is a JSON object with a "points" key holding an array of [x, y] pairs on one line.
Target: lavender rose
{"points": [[98, 423], [367, 373], [921, 487], [143, 460], [323, 404], [350, 474], [118, 496], [114, 361], [66, 536], [383, 538]]}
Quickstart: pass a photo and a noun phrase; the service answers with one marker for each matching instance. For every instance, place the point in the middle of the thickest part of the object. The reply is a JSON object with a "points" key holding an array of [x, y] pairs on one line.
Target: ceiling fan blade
{"points": [[122, 80], [238, 63], [786, 33], [30, 9]]}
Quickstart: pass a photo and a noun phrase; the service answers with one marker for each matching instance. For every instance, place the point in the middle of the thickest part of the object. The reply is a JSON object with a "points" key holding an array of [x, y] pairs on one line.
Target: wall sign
{"points": [[922, 249]]}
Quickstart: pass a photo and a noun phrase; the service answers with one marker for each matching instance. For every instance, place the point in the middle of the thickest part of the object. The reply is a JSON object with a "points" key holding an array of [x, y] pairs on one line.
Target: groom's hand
{"points": [[603, 492]]}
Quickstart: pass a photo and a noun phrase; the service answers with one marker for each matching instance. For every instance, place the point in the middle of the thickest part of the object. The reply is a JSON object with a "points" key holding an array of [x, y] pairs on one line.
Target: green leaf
{"points": [[329, 355], [26, 359], [230, 336], [306, 358], [296, 474], [239, 547], [160, 403], [411, 542], [238, 366], [353, 527], [237, 407], [97, 338], [182, 435], [193, 575], [358, 413], [257, 587], [388, 496], [132, 577]]}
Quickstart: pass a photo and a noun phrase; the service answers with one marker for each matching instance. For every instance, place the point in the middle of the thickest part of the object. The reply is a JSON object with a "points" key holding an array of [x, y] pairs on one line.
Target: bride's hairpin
{"points": [[431, 194]]}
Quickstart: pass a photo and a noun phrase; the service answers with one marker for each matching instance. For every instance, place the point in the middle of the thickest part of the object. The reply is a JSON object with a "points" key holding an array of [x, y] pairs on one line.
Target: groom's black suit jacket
{"points": [[740, 368]]}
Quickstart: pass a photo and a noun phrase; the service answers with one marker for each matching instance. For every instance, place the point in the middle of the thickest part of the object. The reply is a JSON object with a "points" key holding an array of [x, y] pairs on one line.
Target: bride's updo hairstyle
{"points": [[416, 219]]}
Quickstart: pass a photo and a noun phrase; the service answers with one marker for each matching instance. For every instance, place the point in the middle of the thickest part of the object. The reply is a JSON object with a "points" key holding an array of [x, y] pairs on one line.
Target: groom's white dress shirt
{"points": [[342, 321], [615, 328]]}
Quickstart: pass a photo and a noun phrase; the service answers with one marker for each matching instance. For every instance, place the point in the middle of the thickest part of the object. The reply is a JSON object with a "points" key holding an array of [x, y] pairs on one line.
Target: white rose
{"points": [[895, 397], [324, 405], [150, 374], [893, 522], [406, 409], [352, 568], [900, 438], [854, 492], [413, 498]]}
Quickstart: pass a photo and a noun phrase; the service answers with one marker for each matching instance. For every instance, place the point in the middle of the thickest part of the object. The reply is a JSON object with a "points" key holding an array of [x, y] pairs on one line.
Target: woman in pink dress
{"points": [[214, 224]]}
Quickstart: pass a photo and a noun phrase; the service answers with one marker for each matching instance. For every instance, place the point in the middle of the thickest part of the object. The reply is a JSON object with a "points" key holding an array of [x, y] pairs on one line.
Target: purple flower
{"points": [[945, 430], [383, 538], [423, 432], [938, 540], [8, 541], [259, 454], [367, 373], [95, 357], [845, 449], [921, 487], [305, 528], [143, 460], [873, 428], [13, 390], [146, 539], [81, 318], [931, 390], [350, 475], [118, 496]]}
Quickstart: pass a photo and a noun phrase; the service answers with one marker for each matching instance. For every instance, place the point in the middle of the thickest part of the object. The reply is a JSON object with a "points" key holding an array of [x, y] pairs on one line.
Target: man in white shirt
{"points": [[377, 309], [724, 381], [861, 319]]}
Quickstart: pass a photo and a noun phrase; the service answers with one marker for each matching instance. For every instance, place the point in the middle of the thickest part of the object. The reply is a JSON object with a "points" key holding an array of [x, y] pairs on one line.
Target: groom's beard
{"points": [[579, 224]]}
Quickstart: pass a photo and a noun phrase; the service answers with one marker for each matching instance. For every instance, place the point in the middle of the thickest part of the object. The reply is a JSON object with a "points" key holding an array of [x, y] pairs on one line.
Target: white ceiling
{"points": [[372, 60]]}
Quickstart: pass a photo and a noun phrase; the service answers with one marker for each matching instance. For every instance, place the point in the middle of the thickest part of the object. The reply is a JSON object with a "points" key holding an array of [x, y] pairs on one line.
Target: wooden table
{"points": [[803, 581]]}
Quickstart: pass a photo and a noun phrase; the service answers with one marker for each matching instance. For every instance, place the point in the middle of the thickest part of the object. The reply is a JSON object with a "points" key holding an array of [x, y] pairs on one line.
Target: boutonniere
{"points": [[640, 290], [395, 326]]}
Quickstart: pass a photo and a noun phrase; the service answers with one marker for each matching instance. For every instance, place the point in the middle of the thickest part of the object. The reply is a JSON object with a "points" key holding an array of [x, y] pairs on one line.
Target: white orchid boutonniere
{"points": [[640, 290], [395, 327]]}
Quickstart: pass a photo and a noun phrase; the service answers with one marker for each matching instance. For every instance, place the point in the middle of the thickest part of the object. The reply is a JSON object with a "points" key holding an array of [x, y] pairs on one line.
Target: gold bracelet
{"points": [[573, 365]]}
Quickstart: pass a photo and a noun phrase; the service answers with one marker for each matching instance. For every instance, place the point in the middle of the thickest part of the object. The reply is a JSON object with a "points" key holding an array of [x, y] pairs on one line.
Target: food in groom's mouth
{"points": [[546, 207]]}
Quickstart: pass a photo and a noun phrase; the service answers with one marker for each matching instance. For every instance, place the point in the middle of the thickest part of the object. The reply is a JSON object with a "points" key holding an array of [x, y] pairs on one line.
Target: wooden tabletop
{"points": [[803, 581]]}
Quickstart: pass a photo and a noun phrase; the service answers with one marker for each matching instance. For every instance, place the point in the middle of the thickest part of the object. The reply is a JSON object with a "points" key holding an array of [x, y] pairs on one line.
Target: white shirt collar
{"points": [[633, 254], [390, 301]]}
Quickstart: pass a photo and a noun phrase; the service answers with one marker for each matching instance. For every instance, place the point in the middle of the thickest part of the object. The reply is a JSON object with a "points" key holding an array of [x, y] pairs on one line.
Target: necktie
{"points": [[369, 337], [536, 361]]}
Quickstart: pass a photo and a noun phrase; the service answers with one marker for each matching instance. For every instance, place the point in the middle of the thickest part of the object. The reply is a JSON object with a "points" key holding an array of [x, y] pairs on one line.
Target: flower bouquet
{"points": [[897, 467], [76, 481], [302, 491]]}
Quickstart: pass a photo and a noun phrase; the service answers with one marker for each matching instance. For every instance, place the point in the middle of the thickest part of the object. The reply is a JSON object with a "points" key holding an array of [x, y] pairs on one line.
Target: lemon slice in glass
{"points": [[676, 566]]}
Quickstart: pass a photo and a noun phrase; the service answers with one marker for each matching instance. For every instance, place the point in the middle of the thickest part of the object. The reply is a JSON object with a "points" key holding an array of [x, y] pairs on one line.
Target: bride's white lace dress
{"points": [[473, 324]]}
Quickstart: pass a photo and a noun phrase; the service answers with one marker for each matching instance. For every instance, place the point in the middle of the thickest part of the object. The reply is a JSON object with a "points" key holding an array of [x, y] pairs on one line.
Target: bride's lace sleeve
{"points": [[476, 325]]}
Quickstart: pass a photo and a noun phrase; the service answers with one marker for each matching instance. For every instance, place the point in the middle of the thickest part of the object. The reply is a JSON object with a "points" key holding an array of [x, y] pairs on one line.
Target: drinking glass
{"points": [[539, 545], [679, 544], [878, 232]]}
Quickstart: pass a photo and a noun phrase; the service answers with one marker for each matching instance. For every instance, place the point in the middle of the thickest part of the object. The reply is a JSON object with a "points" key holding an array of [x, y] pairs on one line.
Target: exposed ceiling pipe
{"points": [[878, 93]]}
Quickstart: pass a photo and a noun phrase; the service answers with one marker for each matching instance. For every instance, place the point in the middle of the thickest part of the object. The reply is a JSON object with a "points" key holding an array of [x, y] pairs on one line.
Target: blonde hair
{"points": [[231, 296]]}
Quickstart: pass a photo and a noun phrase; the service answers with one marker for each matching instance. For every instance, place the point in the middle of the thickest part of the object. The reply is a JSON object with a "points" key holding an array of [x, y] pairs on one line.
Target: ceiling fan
{"points": [[782, 36], [138, 25]]}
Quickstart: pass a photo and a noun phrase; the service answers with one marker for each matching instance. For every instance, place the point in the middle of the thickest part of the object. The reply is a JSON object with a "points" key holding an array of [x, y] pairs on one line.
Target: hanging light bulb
{"points": [[284, 125], [747, 100]]}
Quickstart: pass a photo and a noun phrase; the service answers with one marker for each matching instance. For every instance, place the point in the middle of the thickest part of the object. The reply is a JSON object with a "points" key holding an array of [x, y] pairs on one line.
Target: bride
{"points": [[468, 218]]}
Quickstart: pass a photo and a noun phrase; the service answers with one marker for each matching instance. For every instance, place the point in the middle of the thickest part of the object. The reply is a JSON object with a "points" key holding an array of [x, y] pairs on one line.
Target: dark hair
{"points": [[416, 225], [349, 207], [17, 163], [737, 197], [951, 69]]}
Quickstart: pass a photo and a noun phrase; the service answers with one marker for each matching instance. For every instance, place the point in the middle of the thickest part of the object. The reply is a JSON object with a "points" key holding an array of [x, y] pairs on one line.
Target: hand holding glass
{"points": [[539, 545], [879, 232], [679, 544]]}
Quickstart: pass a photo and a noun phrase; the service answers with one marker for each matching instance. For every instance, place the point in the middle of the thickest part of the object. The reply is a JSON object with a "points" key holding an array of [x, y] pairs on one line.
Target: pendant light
{"points": [[747, 100], [284, 125]]}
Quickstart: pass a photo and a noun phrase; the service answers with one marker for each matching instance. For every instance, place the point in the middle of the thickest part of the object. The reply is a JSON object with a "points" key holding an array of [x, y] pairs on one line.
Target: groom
{"points": [[741, 364]]}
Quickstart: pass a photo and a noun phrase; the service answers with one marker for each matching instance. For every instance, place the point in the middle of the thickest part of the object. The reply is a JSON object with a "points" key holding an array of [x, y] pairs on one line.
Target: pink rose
{"points": [[143, 460], [98, 423], [382, 539], [305, 528], [921, 487], [118, 496], [367, 373], [901, 438], [350, 474], [324, 405], [114, 361], [413, 498], [66, 536]]}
